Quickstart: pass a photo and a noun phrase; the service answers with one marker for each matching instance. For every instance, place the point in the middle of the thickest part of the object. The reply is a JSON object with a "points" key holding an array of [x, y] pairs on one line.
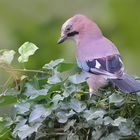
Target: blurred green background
{"points": [[39, 21]]}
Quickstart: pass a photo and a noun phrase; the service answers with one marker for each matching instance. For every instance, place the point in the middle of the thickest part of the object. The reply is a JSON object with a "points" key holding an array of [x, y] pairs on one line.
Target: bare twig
{"points": [[27, 70], [56, 134], [9, 68], [87, 137], [55, 130]]}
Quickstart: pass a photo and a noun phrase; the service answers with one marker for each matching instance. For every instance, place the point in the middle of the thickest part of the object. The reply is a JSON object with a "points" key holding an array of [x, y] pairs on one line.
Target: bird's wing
{"points": [[111, 66]]}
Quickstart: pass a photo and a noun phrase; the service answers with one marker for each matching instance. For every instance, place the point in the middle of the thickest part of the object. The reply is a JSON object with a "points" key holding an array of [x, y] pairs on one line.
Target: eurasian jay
{"points": [[97, 55]]}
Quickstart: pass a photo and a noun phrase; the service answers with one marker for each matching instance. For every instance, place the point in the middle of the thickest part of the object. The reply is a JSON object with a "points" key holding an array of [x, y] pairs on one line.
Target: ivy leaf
{"points": [[8, 121], [33, 93], [27, 130], [56, 78], [118, 100], [7, 99], [72, 136], [1, 119], [65, 105], [70, 88], [97, 133], [94, 114], [118, 121], [40, 105], [4, 131], [69, 124], [79, 78], [66, 94], [57, 98], [53, 64], [126, 127], [18, 126], [77, 105], [39, 114], [7, 56], [22, 107], [66, 66], [26, 50], [112, 136], [63, 116], [108, 120]]}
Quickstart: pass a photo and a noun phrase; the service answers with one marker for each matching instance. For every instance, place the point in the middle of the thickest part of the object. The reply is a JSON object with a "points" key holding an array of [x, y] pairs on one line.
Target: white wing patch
{"points": [[98, 65], [120, 60]]}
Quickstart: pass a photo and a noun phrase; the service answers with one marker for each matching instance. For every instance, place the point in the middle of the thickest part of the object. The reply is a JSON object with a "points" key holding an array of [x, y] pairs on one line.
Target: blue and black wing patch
{"points": [[110, 65]]}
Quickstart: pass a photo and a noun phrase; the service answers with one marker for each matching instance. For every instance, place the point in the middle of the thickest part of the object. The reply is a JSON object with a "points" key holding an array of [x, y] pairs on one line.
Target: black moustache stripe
{"points": [[72, 33]]}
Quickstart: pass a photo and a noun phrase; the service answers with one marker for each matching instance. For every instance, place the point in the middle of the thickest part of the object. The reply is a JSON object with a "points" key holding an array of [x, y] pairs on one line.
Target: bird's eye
{"points": [[68, 29]]}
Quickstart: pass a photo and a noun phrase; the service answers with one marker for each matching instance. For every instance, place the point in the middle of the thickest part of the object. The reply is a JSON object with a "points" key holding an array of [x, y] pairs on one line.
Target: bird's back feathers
{"points": [[90, 48]]}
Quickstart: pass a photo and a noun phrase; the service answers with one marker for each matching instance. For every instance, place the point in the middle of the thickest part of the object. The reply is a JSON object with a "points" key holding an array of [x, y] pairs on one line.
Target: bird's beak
{"points": [[62, 39]]}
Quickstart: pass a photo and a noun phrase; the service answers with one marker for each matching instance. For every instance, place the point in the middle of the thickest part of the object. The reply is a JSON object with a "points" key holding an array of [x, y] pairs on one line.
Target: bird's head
{"points": [[77, 27]]}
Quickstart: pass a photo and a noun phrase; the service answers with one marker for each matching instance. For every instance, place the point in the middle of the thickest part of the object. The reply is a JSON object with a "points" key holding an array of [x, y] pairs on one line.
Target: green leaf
{"points": [[1, 119], [18, 126], [26, 130], [126, 128], [22, 107], [79, 78], [53, 64], [40, 104], [33, 93], [118, 100], [26, 50], [7, 99], [72, 136], [112, 136], [4, 132], [118, 121], [65, 105], [69, 124], [65, 66], [94, 114], [7, 56], [77, 105], [39, 114], [56, 78], [8, 121], [108, 120], [57, 98], [70, 88], [97, 133], [98, 122], [63, 116], [138, 93]]}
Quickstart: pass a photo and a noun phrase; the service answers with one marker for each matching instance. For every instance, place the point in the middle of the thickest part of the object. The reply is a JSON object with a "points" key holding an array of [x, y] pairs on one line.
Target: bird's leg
{"points": [[91, 83], [91, 91], [95, 82]]}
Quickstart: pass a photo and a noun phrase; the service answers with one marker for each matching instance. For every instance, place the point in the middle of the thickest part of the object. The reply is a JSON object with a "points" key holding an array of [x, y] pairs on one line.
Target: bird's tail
{"points": [[127, 84]]}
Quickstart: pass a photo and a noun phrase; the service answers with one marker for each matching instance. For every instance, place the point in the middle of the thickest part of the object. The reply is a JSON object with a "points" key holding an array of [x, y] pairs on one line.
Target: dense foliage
{"points": [[53, 103]]}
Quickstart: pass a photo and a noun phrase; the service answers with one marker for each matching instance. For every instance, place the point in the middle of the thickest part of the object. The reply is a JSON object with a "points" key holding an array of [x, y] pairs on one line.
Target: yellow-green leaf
{"points": [[7, 56], [26, 50]]}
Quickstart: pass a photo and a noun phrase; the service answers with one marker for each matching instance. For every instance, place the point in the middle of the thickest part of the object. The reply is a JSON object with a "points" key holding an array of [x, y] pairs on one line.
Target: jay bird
{"points": [[97, 55]]}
